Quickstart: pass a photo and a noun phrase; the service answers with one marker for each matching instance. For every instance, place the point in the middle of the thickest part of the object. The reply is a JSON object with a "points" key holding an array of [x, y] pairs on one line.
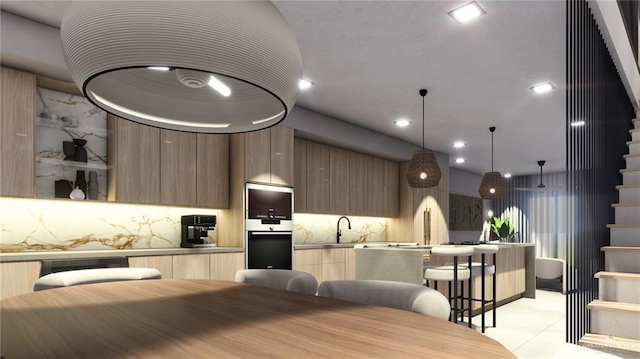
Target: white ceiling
{"points": [[370, 58]]}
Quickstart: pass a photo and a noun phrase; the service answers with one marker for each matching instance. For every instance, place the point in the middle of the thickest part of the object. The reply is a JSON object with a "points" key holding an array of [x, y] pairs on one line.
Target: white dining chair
{"points": [[398, 295], [291, 280], [96, 275]]}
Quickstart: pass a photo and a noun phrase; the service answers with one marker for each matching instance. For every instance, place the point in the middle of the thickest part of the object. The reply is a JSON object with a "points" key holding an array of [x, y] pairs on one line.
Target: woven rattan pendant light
{"points": [[423, 170], [493, 185]]}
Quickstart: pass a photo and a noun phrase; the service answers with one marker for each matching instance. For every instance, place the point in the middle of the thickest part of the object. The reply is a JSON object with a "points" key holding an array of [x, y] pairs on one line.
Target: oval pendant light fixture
{"points": [[195, 66], [423, 171], [493, 186]]}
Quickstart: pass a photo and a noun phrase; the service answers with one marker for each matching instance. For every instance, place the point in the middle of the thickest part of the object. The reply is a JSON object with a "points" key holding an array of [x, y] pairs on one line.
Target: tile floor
{"points": [[535, 328]]}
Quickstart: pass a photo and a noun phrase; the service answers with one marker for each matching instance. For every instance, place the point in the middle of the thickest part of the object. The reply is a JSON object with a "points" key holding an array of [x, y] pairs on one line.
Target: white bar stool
{"points": [[454, 273], [485, 269]]}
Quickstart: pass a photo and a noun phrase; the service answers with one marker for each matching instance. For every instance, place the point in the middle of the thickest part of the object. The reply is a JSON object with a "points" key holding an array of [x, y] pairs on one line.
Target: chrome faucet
{"points": [[338, 232]]}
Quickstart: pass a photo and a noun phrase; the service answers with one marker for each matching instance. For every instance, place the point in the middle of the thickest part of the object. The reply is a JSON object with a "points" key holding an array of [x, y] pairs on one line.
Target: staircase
{"points": [[615, 316]]}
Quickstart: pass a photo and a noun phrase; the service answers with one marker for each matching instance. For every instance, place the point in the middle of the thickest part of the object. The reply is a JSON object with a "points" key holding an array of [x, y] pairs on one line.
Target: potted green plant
{"points": [[503, 228]]}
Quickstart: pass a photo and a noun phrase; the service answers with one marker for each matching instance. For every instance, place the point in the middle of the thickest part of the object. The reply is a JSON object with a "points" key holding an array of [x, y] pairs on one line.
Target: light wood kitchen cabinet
{"points": [[300, 175], [358, 186], [223, 266], [162, 263], [326, 264], [17, 131], [191, 266], [177, 168], [338, 181], [317, 178], [212, 170], [133, 151], [17, 278], [268, 156], [257, 156], [375, 179], [281, 155], [391, 190]]}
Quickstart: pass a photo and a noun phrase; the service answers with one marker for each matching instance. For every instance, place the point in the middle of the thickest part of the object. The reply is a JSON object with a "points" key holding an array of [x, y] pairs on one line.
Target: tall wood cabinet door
{"points": [[134, 155], [391, 191], [358, 186], [212, 170], [300, 175], [338, 181], [17, 133], [177, 168], [317, 178], [257, 156], [282, 155], [376, 181]]}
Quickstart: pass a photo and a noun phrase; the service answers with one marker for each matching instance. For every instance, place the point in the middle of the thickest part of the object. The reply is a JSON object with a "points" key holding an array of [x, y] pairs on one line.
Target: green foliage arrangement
{"points": [[503, 228]]}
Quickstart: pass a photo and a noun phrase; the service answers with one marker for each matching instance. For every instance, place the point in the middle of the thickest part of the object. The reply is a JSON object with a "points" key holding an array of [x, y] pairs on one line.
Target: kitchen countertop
{"points": [[105, 253], [324, 245]]}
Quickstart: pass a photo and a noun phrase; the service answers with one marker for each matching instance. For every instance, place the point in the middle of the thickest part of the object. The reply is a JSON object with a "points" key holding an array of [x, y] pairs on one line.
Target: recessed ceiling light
{"points": [[507, 175], [305, 84], [458, 144], [542, 88], [217, 85], [577, 123], [403, 122], [460, 160], [466, 12], [158, 68]]}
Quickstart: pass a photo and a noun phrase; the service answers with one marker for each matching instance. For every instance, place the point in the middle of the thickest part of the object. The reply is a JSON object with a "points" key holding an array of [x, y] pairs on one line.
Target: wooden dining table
{"points": [[173, 318]]}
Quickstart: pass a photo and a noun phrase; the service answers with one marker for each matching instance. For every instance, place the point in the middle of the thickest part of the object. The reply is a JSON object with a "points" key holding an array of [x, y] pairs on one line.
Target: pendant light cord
{"points": [[492, 129], [423, 122]]}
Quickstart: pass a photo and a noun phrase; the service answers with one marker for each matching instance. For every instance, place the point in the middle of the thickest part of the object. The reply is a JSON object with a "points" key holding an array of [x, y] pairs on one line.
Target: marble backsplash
{"points": [[319, 228], [36, 224], [90, 124]]}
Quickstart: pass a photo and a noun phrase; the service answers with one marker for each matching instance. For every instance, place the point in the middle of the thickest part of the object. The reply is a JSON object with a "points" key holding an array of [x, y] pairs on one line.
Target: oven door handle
{"points": [[264, 233]]}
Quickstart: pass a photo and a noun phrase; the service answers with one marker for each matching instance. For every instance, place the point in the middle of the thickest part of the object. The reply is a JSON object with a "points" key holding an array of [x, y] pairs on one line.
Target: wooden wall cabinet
{"points": [[268, 156], [300, 175], [17, 133], [178, 168], [338, 180], [133, 151], [317, 178], [153, 166], [358, 186], [333, 180], [212, 170]]}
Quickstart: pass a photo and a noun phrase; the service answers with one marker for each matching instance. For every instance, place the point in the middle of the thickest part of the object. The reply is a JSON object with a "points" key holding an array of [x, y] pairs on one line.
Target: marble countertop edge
{"points": [[105, 253]]}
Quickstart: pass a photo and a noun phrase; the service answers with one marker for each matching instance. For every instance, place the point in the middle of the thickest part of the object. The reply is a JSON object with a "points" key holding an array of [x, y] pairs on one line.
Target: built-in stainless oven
{"points": [[269, 226]]}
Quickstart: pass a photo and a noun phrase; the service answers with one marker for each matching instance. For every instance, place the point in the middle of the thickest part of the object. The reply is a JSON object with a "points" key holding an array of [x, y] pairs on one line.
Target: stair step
{"points": [[630, 176], [632, 160], [624, 235], [635, 134], [629, 193], [615, 319], [621, 259], [617, 275], [618, 307], [620, 249], [627, 213], [634, 146], [619, 287], [610, 344]]}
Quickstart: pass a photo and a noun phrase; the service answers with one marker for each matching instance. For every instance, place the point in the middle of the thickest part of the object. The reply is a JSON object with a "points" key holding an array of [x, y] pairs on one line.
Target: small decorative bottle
{"points": [[93, 185], [81, 181]]}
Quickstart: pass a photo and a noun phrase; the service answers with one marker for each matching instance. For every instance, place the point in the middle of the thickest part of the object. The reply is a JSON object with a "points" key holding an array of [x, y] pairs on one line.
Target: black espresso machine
{"points": [[195, 230]]}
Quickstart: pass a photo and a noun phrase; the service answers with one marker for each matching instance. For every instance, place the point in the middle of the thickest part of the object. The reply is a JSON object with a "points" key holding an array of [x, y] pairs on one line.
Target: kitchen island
{"points": [[515, 267]]}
